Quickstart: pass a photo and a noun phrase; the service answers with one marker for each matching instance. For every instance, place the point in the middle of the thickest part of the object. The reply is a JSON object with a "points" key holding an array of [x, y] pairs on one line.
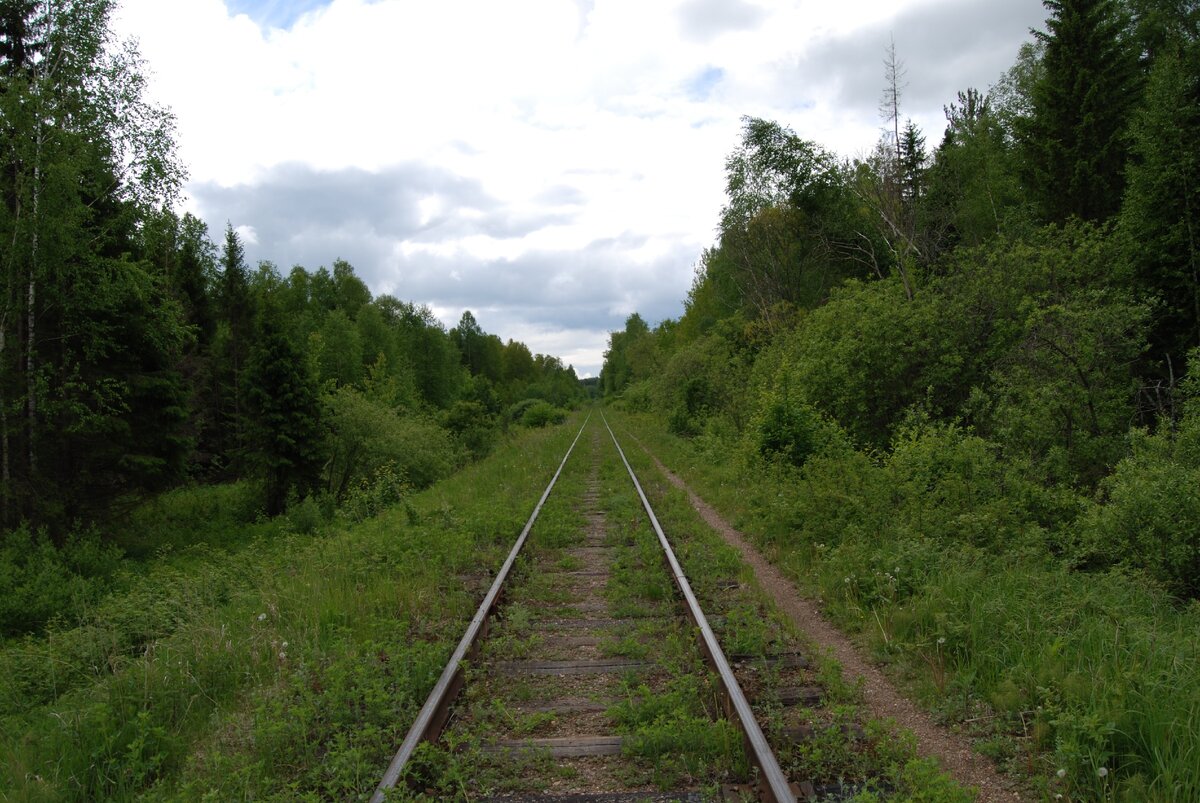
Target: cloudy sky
{"points": [[551, 165]]}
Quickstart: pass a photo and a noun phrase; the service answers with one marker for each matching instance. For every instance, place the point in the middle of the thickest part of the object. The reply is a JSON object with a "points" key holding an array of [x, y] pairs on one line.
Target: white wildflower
{"points": [[1062, 772], [262, 617]]}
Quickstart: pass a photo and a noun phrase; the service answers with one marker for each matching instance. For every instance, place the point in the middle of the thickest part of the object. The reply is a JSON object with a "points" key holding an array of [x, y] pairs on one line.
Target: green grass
{"points": [[674, 732], [1093, 674], [286, 669], [749, 625]]}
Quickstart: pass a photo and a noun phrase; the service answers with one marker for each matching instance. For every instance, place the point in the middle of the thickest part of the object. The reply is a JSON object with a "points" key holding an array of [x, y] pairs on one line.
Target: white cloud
{"points": [[566, 123], [247, 234]]}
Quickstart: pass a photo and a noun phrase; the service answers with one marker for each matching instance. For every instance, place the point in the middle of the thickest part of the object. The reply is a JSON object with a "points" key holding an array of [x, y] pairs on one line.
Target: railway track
{"points": [[590, 672]]}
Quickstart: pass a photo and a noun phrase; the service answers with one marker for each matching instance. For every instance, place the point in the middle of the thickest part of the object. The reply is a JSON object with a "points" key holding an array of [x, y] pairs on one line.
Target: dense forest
{"points": [[953, 389], [960, 386], [137, 355], [1032, 285]]}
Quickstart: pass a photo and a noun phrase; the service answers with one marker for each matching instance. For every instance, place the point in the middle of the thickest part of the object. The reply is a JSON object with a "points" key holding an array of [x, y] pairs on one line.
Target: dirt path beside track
{"points": [[952, 751]]}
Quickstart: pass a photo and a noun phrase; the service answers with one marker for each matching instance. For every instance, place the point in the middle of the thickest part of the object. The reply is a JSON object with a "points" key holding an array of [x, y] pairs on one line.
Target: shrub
{"points": [[637, 397], [39, 580], [541, 414], [213, 514], [954, 486], [1151, 519], [472, 426], [789, 429], [368, 434], [516, 412], [372, 495], [306, 516]]}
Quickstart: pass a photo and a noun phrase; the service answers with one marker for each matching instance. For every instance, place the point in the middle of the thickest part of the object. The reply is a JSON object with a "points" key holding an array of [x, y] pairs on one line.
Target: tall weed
{"points": [[282, 670], [957, 565]]}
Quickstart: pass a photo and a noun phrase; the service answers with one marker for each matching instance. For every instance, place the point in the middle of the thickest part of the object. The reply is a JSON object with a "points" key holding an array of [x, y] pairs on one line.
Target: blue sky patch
{"points": [[701, 85], [274, 13]]}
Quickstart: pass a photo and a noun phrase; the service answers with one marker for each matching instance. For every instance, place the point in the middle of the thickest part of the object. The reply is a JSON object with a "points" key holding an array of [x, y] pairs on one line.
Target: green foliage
{"points": [[1064, 395], [790, 229], [284, 412], [859, 358], [290, 665], [339, 350], [626, 359], [1074, 140], [788, 429], [1150, 516], [702, 379], [972, 189], [1160, 217], [216, 515], [541, 414], [41, 581], [473, 425], [367, 436]]}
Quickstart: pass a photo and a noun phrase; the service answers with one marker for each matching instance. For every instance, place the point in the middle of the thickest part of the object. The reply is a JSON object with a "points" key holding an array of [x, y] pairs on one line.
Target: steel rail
{"points": [[447, 686], [772, 780]]}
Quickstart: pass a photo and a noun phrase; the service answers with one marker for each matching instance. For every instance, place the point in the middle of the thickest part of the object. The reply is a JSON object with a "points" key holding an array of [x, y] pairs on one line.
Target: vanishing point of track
{"points": [[770, 783]]}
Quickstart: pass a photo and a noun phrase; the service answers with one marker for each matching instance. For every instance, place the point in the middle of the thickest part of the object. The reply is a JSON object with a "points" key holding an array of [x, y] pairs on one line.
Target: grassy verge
{"points": [[286, 670], [1085, 683], [847, 752]]}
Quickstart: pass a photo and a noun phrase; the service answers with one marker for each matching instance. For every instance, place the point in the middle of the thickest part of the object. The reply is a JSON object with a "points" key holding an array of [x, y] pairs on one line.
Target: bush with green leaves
{"points": [[542, 414], [789, 429], [1149, 517], [638, 396], [367, 434], [516, 411], [40, 580], [472, 425], [859, 358]]}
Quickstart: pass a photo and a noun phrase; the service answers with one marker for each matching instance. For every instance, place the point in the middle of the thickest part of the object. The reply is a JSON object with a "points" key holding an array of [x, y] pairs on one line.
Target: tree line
{"points": [[1031, 284], [136, 354]]}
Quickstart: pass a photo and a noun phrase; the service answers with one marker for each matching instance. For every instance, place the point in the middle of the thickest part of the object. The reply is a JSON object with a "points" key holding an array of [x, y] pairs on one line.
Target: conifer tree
{"points": [[89, 398], [912, 164], [234, 345], [1075, 141], [284, 414], [1160, 219], [191, 276]]}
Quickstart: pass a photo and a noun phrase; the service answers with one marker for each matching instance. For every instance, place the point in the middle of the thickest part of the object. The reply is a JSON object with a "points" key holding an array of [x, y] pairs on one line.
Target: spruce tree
{"points": [[1160, 220], [284, 415], [233, 346], [191, 276], [912, 159], [1075, 141]]}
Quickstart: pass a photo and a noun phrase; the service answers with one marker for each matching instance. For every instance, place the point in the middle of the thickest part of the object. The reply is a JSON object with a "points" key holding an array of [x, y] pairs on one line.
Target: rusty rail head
{"points": [[772, 780], [443, 692]]}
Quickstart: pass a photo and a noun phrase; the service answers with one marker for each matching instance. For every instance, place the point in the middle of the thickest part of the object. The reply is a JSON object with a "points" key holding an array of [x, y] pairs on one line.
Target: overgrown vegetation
{"points": [[955, 395], [847, 751], [277, 666], [137, 357]]}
